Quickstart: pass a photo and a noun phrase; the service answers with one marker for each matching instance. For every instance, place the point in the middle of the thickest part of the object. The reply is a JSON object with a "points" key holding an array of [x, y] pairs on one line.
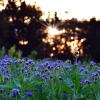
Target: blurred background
{"points": [[53, 29]]}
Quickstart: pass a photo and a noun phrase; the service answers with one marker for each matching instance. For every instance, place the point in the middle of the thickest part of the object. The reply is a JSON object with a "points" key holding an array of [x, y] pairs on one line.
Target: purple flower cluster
{"points": [[49, 70], [42, 70], [46, 69], [85, 81], [95, 75], [25, 61], [83, 69], [5, 62], [91, 78], [92, 63], [29, 93], [27, 70], [14, 92], [26, 66], [19, 61]]}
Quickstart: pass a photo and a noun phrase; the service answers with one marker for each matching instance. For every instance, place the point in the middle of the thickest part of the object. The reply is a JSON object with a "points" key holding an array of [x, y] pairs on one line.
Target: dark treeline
{"points": [[24, 23]]}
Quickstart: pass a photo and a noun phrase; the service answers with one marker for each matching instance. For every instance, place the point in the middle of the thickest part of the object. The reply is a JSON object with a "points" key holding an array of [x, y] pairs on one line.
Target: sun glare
{"points": [[23, 42], [52, 31], [76, 46]]}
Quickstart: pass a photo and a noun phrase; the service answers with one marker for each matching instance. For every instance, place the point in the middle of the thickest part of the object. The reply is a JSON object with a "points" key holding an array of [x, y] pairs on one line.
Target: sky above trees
{"points": [[80, 9]]}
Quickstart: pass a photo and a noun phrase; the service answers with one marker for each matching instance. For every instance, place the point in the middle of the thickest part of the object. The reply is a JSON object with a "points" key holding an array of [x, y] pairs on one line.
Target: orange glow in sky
{"points": [[80, 9]]}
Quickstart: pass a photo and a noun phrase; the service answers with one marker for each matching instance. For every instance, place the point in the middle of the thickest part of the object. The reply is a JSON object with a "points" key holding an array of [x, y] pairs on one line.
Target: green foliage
{"points": [[33, 54], [63, 85], [2, 52], [14, 53]]}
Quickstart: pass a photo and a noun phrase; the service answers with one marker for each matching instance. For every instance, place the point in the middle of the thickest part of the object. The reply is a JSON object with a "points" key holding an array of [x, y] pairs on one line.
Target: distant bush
{"points": [[33, 54], [16, 53]]}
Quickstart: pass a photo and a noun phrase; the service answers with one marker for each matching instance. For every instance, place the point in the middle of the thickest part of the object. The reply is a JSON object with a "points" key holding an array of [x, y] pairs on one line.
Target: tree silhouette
{"points": [[3, 29], [24, 21]]}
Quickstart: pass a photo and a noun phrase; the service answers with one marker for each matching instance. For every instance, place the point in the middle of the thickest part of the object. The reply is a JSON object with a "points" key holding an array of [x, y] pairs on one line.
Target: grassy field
{"points": [[47, 79]]}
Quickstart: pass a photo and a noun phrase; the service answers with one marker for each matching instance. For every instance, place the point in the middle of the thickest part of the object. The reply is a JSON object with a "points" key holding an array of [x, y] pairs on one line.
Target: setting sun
{"points": [[52, 31]]}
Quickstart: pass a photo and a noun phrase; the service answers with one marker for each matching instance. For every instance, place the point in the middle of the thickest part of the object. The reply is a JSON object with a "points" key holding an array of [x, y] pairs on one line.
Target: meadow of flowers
{"points": [[47, 79]]}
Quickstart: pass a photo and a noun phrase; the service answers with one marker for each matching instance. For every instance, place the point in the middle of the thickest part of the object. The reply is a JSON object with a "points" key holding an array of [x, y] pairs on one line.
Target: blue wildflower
{"points": [[44, 76], [92, 63], [29, 93], [83, 69], [19, 61], [95, 74], [86, 81], [14, 92], [11, 94]]}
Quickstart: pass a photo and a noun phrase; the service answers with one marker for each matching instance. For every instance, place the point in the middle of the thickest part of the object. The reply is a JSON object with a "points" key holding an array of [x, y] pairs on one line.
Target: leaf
{"points": [[17, 84], [66, 87], [7, 86], [76, 78]]}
